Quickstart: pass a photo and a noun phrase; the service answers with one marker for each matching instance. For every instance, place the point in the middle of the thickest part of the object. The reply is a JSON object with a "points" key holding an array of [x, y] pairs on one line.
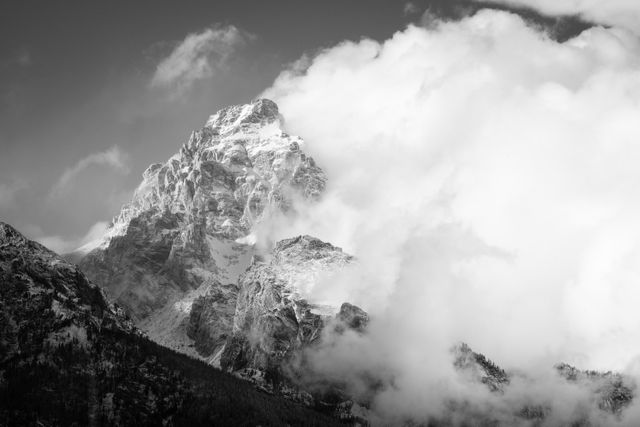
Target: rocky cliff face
{"points": [[273, 321], [187, 230], [211, 321], [67, 357]]}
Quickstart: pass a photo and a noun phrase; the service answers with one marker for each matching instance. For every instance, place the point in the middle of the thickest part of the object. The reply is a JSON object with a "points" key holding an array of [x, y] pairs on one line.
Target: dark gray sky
{"points": [[83, 110]]}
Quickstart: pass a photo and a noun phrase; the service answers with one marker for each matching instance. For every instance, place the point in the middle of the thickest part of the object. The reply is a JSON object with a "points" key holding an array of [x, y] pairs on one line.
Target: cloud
{"points": [[113, 158], [621, 13], [485, 175], [410, 8], [64, 245], [198, 57]]}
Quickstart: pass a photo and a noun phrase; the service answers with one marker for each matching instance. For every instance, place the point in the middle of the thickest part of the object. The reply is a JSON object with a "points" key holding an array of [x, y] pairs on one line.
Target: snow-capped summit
{"points": [[242, 117], [230, 173]]}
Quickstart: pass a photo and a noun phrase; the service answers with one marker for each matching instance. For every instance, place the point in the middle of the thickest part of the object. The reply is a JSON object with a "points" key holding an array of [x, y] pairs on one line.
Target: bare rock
{"points": [[273, 321]]}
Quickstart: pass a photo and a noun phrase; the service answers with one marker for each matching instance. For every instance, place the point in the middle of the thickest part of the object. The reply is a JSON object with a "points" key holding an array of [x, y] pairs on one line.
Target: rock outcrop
{"points": [[476, 367], [211, 321], [352, 317], [273, 321], [608, 392], [613, 391]]}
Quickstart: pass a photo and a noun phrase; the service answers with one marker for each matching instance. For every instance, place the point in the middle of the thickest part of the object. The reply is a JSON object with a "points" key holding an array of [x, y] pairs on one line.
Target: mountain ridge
{"points": [[68, 357]]}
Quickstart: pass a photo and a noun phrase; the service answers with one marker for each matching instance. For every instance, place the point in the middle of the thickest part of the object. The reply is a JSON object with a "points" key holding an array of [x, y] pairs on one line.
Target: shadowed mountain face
{"points": [[67, 357]]}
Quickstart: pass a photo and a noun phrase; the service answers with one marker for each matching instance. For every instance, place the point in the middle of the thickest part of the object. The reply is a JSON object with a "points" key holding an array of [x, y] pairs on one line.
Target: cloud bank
{"points": [[621, 13], [486, 177], [113, 158], [197, 57]]}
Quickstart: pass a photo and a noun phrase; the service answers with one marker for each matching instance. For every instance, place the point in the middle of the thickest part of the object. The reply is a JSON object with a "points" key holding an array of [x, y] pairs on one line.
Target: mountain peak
{"points": [[10, 237], [238, 117], [303, 249], [7, 232], [185, 229]]}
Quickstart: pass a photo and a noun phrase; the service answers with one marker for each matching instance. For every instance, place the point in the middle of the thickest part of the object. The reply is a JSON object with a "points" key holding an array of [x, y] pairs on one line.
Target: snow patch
{"points": [[249, 239], [231, 258]]}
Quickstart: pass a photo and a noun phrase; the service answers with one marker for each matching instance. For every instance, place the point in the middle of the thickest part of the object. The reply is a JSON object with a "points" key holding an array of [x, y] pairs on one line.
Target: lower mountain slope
{"points": [[67, 357], [605, 395]]}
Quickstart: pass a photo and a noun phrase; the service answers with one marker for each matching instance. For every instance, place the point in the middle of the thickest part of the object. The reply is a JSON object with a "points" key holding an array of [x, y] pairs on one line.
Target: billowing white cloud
{"points": [[486, 178], [197, 57], [114, 158], [621, 13]]}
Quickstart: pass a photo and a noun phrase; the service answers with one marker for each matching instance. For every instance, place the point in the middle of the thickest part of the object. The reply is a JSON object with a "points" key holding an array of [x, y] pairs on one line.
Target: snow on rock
{"points": [[272, 320], [187, 230]]}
